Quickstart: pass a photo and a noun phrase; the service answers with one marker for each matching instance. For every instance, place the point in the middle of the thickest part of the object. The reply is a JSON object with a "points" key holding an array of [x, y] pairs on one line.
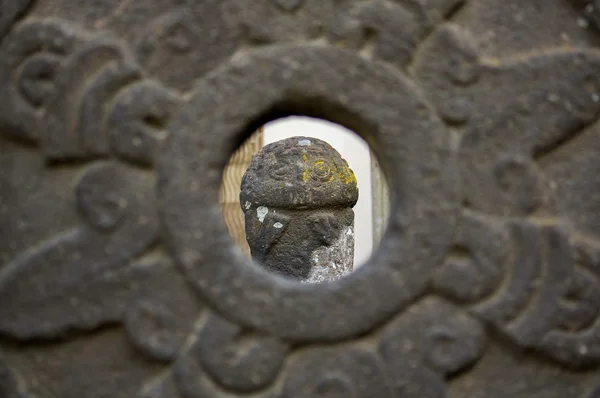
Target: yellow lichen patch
{"points": [[346, 175], [351, 178], [323, 169], [306, 172], [327, 170], [306, 175]]}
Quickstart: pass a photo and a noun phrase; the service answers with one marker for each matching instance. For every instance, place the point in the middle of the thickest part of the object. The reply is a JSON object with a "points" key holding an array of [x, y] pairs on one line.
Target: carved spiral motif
{"points": [[282, 170], [322, 170]]}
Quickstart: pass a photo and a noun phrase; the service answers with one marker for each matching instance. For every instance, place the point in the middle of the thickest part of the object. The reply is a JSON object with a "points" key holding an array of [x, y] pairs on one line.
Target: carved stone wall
{"points": [[117, 278]]}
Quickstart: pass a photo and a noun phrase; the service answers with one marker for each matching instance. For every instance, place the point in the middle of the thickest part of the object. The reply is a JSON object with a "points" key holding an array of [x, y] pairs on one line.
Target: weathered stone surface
{"points": [[297, 196], [298, 173], [118, 279]]}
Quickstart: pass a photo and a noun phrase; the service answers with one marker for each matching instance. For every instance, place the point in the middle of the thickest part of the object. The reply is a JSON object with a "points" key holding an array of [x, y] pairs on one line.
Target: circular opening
{"points": [[288, 197], [309, 80]]}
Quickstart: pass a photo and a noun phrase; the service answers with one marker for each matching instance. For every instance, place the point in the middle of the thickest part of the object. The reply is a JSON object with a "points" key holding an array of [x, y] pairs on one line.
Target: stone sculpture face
{"points": [[297, 196]]}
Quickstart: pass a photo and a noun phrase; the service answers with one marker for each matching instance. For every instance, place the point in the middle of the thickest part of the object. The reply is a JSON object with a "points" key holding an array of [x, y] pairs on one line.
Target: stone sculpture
{"points": [[118, 279], [297, 196]]}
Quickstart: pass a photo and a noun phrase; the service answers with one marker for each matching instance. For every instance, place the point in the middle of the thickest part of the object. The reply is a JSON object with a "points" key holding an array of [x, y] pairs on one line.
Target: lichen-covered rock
{"points": [[297, 195], [298, 173]]}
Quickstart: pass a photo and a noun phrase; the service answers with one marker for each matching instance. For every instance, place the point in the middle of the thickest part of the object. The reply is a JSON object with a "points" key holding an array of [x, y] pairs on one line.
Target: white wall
{"points": [[356, 152]]}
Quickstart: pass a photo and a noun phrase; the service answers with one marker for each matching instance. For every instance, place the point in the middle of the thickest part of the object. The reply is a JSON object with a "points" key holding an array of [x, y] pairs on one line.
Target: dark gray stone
{"points": [[11, 11], [297, 196], [118, 279]]}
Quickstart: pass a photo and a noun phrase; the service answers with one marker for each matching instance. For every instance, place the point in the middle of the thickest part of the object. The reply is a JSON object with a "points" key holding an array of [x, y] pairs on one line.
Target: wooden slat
{"points": [[229, 195]]}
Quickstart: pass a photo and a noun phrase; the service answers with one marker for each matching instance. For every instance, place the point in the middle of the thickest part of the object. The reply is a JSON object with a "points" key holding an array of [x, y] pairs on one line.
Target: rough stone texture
{"points": [[118, 279], [335, 259], [297, 196]]}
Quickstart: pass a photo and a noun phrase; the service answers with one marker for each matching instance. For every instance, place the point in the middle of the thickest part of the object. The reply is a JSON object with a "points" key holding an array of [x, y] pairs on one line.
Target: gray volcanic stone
{"points": [[118, 278], [297, 196]]}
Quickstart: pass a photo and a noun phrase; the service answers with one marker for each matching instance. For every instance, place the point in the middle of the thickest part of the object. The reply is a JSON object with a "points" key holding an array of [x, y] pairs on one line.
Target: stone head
{"points": [[297, 196]]}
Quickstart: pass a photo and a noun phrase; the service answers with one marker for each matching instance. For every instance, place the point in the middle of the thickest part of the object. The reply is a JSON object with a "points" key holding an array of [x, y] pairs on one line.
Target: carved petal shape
{"points": [[163, 314], [336, 373], [515, 110], [430, 341], [477, 267], [84, 278], [239, 360]]}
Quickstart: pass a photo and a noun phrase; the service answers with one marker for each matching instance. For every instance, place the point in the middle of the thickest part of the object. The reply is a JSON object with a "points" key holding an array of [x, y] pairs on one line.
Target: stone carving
{"points": [[297, 196], [394, 29], [432, 340], [116, 274], [253, 370], [174, 47], [336, 372]]}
